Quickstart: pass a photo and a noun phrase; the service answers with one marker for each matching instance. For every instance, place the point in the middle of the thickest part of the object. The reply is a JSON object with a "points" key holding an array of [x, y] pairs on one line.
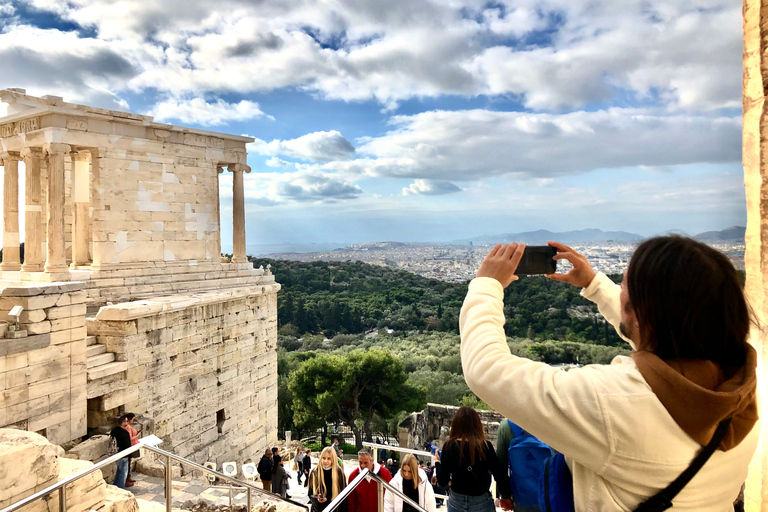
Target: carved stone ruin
{"points": [[128, 306]]}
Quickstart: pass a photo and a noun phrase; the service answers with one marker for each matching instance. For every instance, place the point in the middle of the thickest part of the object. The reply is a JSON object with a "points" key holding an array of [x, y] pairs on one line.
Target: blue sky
{"points": [[423, 120]]}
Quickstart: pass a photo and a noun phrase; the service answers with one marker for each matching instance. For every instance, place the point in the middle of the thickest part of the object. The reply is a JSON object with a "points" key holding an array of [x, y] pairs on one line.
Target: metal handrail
{"points": [[333, 505], [423, 453], [61, 486]]}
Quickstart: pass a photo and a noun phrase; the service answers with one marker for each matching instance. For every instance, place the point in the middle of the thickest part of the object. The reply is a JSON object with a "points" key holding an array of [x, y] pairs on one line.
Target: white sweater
{"points": [[620, 442], [393, 503]]}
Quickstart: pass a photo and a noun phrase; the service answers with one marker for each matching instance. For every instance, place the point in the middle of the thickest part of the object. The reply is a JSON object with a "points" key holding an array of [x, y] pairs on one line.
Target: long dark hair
{"points": [[689, 302], [275, 462], [467, 430]]}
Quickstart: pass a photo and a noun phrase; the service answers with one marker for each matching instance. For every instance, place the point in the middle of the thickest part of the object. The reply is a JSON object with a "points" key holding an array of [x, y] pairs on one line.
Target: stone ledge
{"points": [[16, 346], [151, 307], [34, 289]]}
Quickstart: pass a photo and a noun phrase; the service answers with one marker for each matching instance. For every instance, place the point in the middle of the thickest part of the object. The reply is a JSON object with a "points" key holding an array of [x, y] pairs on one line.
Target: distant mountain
{"points": [[542, 236], [732, 234]]}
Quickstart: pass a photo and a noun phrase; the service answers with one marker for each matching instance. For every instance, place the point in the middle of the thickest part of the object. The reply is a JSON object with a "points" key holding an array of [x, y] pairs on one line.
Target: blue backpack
{"points": [[538, 476], [526, 456]]}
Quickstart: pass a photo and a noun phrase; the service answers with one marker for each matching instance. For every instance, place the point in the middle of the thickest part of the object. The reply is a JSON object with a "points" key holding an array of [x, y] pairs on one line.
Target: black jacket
{"points": [[123, 439], [307, 463], [265, 468]]}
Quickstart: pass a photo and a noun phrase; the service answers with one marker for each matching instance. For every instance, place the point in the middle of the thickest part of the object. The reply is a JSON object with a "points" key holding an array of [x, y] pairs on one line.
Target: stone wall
{"points": [[43, 375], [434, 423], [202, 366]]}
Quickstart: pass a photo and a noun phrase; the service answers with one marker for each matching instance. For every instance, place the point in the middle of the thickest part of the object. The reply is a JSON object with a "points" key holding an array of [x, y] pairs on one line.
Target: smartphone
{"points": [[537, 259]]}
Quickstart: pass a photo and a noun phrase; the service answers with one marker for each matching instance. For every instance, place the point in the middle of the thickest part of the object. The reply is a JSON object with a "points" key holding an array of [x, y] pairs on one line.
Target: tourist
{"points": [[265, 470], [123, 438], [467, 461], [307, 466], [326, 481], [129, 482], [279, 477], [298, 464], [414, 483], [630, 428], [365, 497], [391, 467], [336, 446]]}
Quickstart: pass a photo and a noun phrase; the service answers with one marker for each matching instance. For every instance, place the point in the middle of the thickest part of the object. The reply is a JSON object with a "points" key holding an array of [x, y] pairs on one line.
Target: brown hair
{"points": [[410, 461], [689, 303], [466, 427]]}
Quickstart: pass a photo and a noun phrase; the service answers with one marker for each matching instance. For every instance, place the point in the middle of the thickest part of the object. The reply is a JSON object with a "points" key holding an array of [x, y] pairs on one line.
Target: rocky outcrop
{"points": [[119, 500], [32, 452]]}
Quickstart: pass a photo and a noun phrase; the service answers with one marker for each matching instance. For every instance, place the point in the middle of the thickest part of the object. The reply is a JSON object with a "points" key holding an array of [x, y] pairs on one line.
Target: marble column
{"points": [[754, 152], [81, 202], [56, 264], [34, 230], [11, 258], [238, 213]]}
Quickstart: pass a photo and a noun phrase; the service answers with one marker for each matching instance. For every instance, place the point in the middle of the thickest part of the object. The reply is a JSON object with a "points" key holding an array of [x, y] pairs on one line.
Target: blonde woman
{"points": [[326, 480], [412, 481]]}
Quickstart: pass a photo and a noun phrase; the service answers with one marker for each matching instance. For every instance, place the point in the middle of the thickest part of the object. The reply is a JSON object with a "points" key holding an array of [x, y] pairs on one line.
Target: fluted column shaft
{"points": [[238, 213], [56, 263], [81, 183], [11, 257], [34, 230]]}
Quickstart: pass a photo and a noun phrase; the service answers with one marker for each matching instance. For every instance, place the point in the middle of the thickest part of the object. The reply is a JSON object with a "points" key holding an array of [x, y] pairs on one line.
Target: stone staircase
{"points": [[101, 363]]}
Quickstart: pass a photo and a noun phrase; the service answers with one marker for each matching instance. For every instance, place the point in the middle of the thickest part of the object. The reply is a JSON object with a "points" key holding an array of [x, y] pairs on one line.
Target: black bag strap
{"points": [[663, 499]]}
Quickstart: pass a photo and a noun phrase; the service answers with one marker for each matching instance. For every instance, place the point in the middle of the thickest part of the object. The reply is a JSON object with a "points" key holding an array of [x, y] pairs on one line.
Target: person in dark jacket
{"points": [[279, 477], [123, 438], [307, 465], [265, 470], [467, 461], [326, 481]]}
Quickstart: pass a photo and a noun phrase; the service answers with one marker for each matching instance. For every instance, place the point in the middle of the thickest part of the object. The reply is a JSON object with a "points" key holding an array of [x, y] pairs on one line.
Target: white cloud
{"points": [[277, 162], [474, 144], [198, 111], [552, 54], [430, 188], [316, 146]]}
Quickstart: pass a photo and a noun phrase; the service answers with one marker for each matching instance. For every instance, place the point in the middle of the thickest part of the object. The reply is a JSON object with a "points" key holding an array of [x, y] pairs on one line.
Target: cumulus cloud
{"points": [[550, 54], [430, 188], [317, 188], [316, 146], [199, 111], [474, 144]]}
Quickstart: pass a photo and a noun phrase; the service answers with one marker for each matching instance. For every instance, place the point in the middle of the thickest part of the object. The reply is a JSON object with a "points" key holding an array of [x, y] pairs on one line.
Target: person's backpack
{"points": [[112, 448], [526, 456]]}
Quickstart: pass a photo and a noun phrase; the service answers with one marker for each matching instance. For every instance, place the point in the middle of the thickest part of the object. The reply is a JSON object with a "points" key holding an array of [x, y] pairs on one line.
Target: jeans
{"points": [[123, 465], [463, 503]]}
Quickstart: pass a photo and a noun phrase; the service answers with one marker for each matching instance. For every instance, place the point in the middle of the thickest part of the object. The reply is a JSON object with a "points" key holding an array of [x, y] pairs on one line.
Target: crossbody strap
{"points": [[663, 499]]}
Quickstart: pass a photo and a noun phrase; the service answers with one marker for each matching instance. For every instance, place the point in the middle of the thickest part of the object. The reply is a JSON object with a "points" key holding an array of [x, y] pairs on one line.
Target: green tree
{"points": [[353, 389]]}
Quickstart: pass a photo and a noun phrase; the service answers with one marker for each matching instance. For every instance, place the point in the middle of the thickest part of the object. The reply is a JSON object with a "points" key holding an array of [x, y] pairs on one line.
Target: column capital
{"points": [[238, 168], [57, 148], [32, 152], [8, 156], [80, 155], [219, 169]]}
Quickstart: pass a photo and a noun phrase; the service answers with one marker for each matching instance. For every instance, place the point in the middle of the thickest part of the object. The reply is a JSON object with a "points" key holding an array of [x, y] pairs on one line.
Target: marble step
{"points": [[101, 359], [90, 340], [95, 350], [104, 370]]}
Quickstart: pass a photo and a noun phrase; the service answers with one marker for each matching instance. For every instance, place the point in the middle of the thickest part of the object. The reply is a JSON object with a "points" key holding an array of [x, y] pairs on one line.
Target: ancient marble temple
{"points": [[128, 304]]}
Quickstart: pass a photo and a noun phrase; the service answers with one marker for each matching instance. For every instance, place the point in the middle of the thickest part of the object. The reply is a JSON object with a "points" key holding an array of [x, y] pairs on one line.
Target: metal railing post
{"points": [[248, 499], [380, 489], [168, 484], [63, 498]]}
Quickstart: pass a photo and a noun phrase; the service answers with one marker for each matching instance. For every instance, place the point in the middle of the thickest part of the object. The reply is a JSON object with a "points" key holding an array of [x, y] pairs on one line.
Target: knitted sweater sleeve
{"points": [[561, 408]]}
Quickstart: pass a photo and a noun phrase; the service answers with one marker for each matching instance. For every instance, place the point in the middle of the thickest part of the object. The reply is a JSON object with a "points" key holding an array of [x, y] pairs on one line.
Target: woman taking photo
{"points": [[467, 462], [326, 480], [411, 481], [279, 477]]}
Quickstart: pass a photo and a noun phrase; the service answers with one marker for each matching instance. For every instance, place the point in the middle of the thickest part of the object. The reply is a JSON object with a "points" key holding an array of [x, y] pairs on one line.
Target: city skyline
{"points": [[423, 121]]}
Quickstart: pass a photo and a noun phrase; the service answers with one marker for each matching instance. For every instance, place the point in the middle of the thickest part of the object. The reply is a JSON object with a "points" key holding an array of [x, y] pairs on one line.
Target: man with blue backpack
{"points": [[524, 455]]}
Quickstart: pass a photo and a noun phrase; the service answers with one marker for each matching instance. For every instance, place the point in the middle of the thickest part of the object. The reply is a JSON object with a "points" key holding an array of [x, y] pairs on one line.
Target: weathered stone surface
{"points": [[91, 449], [27, 460], [156, 469], [153, 506], [119, 500]]}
